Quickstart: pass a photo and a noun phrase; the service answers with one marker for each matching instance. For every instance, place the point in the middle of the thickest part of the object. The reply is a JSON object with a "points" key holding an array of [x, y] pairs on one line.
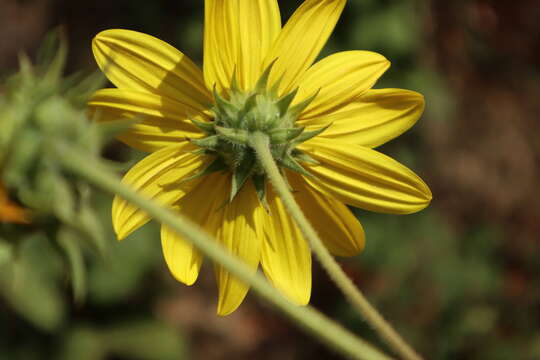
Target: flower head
{"points": [[323, 121]]}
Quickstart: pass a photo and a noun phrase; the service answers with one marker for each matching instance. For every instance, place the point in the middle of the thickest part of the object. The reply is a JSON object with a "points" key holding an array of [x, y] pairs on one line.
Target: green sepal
{"points": [[202, 152], [284, 103], [274, 90], [297, 109], [207, 127], [224, 106], [306, 135], [262, 83], [260, 183], [235, 136], [215, 166], [281, 136], [250, 103], [209, 142], [290, 163], [241, 173], [303, 157], [235, 88]]}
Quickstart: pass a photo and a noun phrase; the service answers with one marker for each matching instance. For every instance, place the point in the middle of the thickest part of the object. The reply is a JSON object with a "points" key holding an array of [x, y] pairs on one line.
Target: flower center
{"points": [[237, 116]]}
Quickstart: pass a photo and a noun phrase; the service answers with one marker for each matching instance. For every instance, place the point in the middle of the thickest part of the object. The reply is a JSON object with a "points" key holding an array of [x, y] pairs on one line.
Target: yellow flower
{"points": [[11, 212], [324, 121]]}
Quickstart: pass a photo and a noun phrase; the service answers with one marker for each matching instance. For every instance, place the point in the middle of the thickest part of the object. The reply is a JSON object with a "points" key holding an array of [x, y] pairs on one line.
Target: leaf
{"points": [[69, 243], [90, 225], [83, 344], [28, 284], [6, 252], [144, 340]]}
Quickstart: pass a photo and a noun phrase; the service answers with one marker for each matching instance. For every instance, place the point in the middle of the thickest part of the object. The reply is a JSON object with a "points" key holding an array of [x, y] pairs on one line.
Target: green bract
{"points": [[242, 114]]}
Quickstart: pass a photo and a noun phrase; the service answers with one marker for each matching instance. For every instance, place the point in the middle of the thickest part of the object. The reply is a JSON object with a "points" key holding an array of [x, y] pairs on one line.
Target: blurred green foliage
{"points": [[68, 240]]}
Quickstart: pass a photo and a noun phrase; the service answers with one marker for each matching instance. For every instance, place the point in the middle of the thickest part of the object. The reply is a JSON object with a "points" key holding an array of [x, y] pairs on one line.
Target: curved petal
{"points": [[364, 178], [286, 256], [152, 177], [301, 40], [136, 61], [338, 228], [341, 78], [182, 257], [237, 36], [241, 234], [373, 119], [160, 121]]}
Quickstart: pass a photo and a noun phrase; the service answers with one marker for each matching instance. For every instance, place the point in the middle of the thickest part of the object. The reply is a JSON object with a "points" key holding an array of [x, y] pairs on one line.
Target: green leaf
{"points": [[68, 241], [90, 225], [63, 196], [53, 56], [144, 340], [206, 126], [6, 252], [29, 285], [83, 344]]}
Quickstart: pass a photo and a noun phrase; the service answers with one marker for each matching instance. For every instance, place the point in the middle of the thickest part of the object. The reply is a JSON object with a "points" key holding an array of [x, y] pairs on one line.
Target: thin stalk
{"points": [[261, 144], [308, 318]]}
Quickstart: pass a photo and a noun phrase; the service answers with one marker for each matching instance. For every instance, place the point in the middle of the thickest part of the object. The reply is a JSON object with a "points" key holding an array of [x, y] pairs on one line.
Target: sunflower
{"points": [[322, 120]]}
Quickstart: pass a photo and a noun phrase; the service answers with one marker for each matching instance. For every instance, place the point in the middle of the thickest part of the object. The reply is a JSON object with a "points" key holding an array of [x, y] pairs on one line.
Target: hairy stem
{"points": [[261, 144], [311, 320]]}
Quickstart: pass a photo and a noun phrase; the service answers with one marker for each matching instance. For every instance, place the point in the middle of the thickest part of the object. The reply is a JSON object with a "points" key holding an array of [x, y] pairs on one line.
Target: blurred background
{"points": [[460, 280]]}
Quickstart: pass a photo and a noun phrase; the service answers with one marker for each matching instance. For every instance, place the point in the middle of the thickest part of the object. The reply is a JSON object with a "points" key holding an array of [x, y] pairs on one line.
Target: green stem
{"points": [[261, 144], [308, 318]]}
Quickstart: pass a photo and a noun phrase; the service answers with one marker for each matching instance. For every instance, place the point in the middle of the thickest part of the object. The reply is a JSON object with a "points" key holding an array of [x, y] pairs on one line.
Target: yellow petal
{"points": [[136, 61], [238, 34], [364, 178], [338, 228], [160, 121], [157, 176], [199, 205], [341, 78], [286, 256], [241, 234], [301, 40], [182, 258], [373, 119]]}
